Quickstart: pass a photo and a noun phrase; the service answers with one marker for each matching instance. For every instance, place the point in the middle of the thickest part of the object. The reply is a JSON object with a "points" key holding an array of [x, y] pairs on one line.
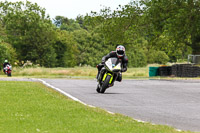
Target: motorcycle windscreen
{"points": [[113, 64]]}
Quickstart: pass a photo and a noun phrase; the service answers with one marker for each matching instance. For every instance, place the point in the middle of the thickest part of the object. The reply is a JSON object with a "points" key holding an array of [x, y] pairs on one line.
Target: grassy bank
{"points": [[77, 72], [32, 107], [82, 73]]}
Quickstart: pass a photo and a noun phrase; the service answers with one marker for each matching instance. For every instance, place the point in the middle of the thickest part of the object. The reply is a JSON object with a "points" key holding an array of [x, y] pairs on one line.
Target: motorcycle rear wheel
{"points": [[105, 84]]}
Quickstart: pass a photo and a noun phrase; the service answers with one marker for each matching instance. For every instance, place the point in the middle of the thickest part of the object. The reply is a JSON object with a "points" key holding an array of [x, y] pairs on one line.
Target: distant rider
{"points": [[120, 54], [5, 64]]}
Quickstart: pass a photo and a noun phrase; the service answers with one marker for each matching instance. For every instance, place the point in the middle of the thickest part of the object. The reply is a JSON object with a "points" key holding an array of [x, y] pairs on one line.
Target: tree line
{"points": [[152, 31]]}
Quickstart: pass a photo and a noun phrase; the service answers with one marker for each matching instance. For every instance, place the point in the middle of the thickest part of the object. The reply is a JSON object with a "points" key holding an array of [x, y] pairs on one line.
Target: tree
{"points": [[91, 47], [66, 49], [7, 52], [114, 25], [29, 31], [60, 20], [176, 19], [66, 24], [121, 26], [3, 35]]}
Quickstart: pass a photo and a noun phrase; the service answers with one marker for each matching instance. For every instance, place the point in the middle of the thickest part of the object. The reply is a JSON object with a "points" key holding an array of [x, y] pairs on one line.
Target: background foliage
{"points": [[153, 31]]}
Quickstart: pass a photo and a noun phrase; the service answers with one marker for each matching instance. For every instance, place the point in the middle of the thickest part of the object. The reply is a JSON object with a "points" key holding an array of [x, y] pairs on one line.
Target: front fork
{"points": [[105, 75], [112, 79], [100, 76]]}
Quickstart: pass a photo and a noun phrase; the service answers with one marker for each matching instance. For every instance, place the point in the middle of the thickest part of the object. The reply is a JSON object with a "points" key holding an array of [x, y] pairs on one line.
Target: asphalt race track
{"points": [[174, 103]]}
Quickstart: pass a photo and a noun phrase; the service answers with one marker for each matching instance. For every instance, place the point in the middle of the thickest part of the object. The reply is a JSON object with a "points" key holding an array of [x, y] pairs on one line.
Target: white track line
{"points": [[68, 95], [76, 99], [61, 91]]}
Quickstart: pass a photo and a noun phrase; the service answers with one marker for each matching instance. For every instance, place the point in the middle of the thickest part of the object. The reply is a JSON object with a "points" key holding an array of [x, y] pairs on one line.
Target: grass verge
{"points": [[76, 72], [84, 73], [32, 107]]}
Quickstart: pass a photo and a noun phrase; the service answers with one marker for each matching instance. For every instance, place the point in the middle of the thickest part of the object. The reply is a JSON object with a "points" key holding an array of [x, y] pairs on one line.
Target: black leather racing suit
{"points": [[124, 60], [5, 64]]}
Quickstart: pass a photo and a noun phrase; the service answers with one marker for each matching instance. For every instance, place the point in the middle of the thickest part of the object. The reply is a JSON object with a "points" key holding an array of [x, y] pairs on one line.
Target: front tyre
{"points": [[98, 88], [9, 74], [105, 84]]}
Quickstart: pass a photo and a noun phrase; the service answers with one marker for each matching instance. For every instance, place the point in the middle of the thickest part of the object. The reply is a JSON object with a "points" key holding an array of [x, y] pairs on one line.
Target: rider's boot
{"points": [[119, 77]]}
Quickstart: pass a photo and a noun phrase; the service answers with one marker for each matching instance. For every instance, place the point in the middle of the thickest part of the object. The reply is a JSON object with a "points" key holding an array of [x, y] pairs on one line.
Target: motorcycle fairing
{"points": [[113, 64], [118, 67]]}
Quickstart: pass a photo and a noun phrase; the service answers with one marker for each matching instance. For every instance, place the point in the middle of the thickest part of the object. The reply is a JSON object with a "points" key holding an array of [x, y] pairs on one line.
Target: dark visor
{"points": [[121, 52]]}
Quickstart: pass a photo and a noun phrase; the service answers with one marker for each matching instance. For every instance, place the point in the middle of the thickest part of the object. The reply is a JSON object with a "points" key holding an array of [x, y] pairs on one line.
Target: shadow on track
{"points": [[107, 93]]}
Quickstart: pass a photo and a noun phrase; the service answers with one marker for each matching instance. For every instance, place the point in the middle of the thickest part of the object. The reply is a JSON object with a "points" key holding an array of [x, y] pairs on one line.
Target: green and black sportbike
{"points": [[108, 74]]}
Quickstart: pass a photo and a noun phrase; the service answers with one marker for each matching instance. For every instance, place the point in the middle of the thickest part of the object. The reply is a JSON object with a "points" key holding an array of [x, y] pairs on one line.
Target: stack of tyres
{"points": [[169, 70], [195, 71], [185, 70], [165, 71], [175, 70]]}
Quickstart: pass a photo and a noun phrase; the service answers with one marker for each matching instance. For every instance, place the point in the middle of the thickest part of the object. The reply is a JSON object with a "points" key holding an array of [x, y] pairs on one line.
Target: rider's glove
{"points": [[123, 69], [103, 62]]}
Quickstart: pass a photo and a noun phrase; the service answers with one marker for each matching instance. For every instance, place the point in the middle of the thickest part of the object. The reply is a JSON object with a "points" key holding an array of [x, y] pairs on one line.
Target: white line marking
{"points": [[61, 91], [110, 112], [91, 106], [179, 130], [139, 121], [68, 95], [76, 99]]}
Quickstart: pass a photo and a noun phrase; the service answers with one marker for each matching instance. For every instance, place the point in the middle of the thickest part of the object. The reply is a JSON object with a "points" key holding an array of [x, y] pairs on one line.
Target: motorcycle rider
{"points": [[5, 64], [120, 54]]}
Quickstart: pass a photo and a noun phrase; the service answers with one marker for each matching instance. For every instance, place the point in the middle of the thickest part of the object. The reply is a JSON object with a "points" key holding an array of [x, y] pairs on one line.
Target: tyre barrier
{"points": [[165, 71], [178, 70]]}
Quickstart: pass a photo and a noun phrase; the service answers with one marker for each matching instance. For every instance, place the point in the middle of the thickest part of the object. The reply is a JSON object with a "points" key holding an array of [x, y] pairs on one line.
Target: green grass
{"points": [[30, 107], [77, 72]]}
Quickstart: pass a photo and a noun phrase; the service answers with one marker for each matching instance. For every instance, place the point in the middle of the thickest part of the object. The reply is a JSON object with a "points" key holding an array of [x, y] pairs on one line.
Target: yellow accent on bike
{"points": [[117, 67], [105, 75], [111, 79]]}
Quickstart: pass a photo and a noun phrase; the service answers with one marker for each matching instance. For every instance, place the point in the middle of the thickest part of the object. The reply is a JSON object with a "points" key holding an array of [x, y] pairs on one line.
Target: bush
{"points": [[49, 58], [136, 57], [155, 56], [7, 52]]}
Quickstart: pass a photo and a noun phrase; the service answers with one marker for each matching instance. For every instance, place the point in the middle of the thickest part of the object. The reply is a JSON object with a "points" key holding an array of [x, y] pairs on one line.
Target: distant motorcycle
{"points": [[108, 74], [8, 70]]}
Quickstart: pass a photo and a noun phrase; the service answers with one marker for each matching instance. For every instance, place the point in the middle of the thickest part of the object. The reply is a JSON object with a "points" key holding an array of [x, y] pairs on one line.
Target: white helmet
{"points": [[120, 50]]}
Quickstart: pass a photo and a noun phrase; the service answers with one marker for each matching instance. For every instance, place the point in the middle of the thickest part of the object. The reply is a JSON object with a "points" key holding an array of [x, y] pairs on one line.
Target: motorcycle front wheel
{"points": [[9, 74], [98, 88], [105, 84]]}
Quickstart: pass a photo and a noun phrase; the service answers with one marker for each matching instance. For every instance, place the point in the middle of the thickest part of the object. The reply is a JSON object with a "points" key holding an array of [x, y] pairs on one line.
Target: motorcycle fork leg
{"points": [[101, 74]]}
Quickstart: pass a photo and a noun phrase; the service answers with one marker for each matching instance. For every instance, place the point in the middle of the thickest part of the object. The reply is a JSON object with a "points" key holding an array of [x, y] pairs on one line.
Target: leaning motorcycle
{"points": [[108, 74], [8, 70]]}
